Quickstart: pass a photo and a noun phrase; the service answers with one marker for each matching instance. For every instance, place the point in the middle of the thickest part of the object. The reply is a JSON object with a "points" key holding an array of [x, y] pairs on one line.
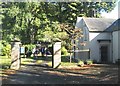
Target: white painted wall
{"points": [[81, 25], [94, 45], [92, 42], [116, 45]]}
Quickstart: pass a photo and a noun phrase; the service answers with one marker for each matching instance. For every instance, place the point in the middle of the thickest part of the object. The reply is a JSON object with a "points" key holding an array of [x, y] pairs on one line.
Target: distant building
{"points": [[101, 39]]}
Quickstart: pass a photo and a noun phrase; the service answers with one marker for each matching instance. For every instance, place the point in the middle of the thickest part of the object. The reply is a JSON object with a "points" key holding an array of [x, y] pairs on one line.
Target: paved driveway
{"points": [[41, 74]]}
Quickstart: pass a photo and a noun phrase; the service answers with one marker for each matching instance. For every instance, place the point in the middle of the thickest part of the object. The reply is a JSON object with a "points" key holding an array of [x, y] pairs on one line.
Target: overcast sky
{"points": [[113, 13]]}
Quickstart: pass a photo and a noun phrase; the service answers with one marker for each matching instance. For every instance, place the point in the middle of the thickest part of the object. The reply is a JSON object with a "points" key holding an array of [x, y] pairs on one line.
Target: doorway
{"points": [[104, 54]]}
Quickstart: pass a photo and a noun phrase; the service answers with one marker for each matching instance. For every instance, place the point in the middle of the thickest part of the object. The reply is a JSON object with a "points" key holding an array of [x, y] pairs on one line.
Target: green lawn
{"points": [[64, 61], [26, 60], [68, 64], [5, 61]]}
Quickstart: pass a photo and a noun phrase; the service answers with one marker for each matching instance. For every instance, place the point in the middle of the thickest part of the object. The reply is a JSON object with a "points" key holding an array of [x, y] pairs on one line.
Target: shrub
{"points": [[1, 48], [95, 61], [64, 51], [118, 62], [81, 63], [89, 62], [5, 49]]}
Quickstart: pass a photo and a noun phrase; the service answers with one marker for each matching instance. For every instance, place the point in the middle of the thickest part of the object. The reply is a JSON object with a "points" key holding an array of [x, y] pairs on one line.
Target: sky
{"points": [[114, 13]]}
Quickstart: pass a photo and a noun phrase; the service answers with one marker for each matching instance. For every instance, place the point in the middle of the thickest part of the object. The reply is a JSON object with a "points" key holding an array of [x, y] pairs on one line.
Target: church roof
{"points": [[99, 24], [115, 26]]}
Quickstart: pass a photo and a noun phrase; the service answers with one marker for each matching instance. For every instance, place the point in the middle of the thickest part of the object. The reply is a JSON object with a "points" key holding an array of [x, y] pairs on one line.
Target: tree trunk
{"points": [[70, 52], [70, 57]]}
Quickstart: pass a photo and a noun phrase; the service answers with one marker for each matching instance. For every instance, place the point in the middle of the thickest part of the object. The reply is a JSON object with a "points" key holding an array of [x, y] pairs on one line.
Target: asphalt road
{"points": [[41, 74]]}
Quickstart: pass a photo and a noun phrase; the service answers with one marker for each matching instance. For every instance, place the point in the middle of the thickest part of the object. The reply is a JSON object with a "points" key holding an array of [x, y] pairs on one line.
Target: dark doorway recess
{"points": [[104, 54]]}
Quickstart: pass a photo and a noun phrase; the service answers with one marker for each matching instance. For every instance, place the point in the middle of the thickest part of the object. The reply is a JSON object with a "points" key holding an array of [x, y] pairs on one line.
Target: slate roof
{"points": [[99, 24], [115, 26]]}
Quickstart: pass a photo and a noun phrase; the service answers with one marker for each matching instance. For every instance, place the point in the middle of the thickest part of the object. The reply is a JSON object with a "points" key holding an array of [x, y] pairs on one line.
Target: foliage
{"points": [[5, 48], [94, 61], [5, 62], [28, 21], [89, 62], [29, 46], [34, 21], [81, 63], [73, 35], [64, 51], [1, 47], [118, 62]]}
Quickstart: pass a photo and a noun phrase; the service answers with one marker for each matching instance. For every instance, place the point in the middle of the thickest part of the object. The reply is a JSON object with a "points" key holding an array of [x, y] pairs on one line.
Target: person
{"points": [[29, 53], [36, 52], [33, 52], [47, 52], [42, 51], [26, 51]]}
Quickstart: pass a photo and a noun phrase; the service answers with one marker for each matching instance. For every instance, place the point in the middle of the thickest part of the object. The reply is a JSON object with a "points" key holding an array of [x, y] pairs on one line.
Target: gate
{"points": [[56, 56]]}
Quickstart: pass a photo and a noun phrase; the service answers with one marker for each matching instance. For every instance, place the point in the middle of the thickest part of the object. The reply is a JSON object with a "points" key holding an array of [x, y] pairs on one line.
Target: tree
{"points": [[73, 34], [28, 21]]}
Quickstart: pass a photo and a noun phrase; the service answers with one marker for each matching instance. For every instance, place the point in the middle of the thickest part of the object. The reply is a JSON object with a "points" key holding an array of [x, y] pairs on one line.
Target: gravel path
{"points": [[41, 74]]}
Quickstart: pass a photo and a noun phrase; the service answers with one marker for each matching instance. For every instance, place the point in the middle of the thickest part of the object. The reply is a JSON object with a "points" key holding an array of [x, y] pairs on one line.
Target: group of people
{"points": [[43, 50], [36, 51]]}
